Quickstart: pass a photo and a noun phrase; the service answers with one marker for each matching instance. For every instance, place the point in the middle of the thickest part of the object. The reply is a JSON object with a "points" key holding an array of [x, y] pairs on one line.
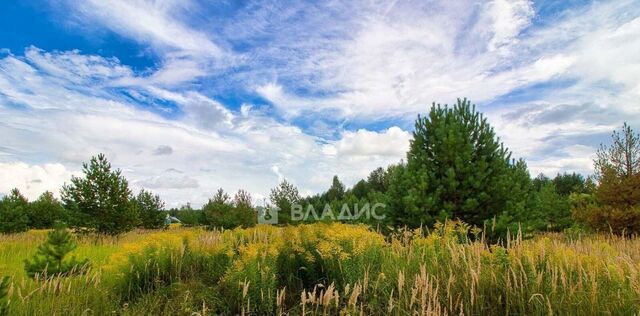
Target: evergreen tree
{"points": [[615, 206], [568, 183], [13, 213], [242, 199], [622, 157], [188, 216], [45, 211], [377, 180], [283, 197], [540, 181], [552, 209], [518, 214], [456, 168], [336, 191], [217, 211], [100, 201], [149, 209], [360, 189], [244, 214], [49, 260]]}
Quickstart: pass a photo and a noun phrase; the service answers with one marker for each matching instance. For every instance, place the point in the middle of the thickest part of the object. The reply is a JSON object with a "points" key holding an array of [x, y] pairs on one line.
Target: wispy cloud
{"points": [[68, 118], [244, 94]]}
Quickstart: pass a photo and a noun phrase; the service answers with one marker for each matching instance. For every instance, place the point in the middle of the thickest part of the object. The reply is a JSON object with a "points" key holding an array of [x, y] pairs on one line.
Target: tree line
{"points": [[456, 168]]}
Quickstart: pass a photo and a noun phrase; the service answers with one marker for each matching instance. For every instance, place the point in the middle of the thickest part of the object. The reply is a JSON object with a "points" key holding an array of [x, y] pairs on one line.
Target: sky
{"points": [[188, 96]]}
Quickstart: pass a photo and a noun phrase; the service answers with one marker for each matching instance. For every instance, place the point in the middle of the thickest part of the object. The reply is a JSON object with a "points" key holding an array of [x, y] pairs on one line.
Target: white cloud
{"points": [[393, 143], [508, 19], [155, 22], [350, 62], [210, 145], [33, 180]]}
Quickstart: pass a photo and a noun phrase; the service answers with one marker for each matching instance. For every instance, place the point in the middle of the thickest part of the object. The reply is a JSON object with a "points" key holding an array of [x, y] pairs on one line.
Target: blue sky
{"points": [[188, 96]]}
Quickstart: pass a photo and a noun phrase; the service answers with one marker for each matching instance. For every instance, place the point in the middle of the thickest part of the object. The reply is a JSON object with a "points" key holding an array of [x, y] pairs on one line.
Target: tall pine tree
{"points": [[13, 213], [100, 201], [149, 209], [456, 168]]}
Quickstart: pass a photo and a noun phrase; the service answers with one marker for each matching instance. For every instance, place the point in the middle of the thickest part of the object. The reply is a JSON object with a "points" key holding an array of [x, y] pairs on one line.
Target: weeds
{"points": [[344, 269]]}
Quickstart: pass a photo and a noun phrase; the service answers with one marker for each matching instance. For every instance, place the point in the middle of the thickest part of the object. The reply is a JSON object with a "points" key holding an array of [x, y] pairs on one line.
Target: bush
{"points": [[50, 261]]}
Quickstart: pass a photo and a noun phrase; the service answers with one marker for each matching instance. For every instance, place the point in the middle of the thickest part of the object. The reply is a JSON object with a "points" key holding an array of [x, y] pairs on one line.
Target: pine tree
{"points": [[149, 209], [622, 157], [100, 201], [456, 168], [615, 206], [244, 214], [4, 292], [13, 213], [217, 211], [49, 260], [336, 191], [45, 211], [283, 197]]}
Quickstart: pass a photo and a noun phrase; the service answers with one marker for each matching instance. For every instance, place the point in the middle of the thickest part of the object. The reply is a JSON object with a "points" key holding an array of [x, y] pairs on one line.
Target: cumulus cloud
{"points": [[33, 180], [393, 143], [554, 86], [206, 147]]}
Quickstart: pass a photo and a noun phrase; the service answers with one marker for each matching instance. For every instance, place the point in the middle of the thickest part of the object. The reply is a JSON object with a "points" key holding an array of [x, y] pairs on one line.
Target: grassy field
{"points": [[330, 269]]}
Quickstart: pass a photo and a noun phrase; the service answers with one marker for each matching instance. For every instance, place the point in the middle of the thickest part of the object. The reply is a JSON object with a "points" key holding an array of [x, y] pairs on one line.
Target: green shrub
{"points": [[50, 261]]}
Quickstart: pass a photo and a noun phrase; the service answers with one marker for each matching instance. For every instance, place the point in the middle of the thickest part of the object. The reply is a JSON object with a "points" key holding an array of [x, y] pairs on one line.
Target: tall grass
{"points": [[336, 269]]}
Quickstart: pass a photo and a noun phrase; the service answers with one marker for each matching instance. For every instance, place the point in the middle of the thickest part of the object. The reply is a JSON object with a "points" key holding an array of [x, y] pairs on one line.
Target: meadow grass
{"points": [[332, 269]]}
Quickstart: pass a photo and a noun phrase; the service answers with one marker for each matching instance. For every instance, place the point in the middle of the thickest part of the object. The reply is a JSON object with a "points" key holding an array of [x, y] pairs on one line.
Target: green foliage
{"points": [[283, 197], [4, 292], [188, 216], [13, 213], [568, 183], [519, 214], [99, 201], [158, 269], [244, 215], [50, 260], [221, 211], [336, 191], [45, 211], [456, 168], [552, 210], [149, 209]]}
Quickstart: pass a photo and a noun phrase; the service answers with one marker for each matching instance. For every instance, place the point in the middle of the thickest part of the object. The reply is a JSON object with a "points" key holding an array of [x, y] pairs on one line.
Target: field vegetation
{"points": [[329, 269], [465, 230]]}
